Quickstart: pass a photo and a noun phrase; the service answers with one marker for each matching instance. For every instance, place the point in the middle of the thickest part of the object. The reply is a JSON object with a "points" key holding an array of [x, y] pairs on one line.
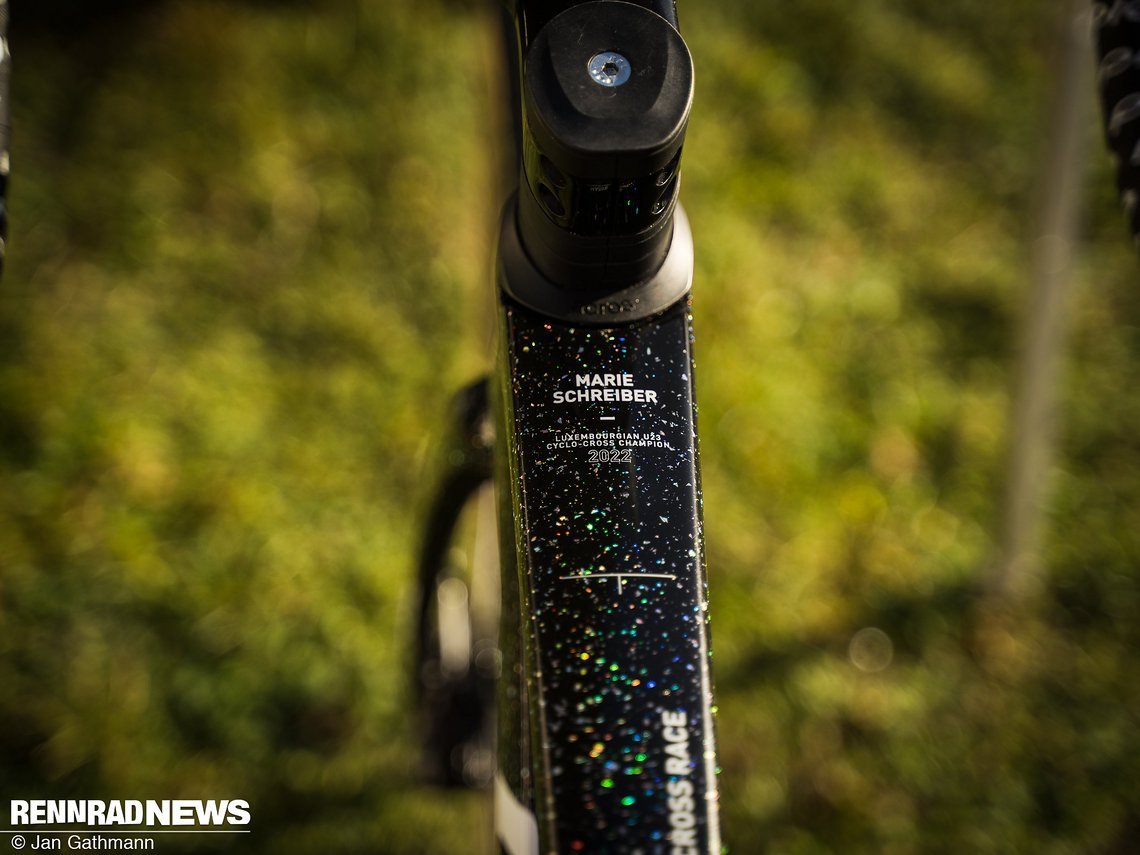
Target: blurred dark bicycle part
{"points": [[5, 128], [1116, 33], [455, 655]]}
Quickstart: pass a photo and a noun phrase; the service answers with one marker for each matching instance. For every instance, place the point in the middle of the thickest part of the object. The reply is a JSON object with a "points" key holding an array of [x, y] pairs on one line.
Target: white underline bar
{"points": [[33, 829], [620, 575]]}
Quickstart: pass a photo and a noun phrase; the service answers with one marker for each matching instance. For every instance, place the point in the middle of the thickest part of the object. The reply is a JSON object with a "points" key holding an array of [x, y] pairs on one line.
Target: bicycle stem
{"points": [[606, 90]]}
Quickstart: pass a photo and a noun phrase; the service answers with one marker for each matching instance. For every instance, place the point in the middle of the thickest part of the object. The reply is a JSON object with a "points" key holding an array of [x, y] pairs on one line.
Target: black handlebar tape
{"points": [[1116, 31]]}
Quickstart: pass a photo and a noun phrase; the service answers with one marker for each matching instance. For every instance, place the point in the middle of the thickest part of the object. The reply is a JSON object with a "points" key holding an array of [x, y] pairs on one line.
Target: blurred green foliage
{"points": [[250, 257]]}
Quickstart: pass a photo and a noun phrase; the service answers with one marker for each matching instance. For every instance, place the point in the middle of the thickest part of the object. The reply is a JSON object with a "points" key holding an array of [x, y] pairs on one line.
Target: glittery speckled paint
{"points": [[603, 468]]}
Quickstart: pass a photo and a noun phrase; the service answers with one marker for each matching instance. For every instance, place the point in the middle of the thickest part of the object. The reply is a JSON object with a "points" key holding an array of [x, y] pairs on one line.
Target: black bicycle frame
{"points": [[606, 741]]}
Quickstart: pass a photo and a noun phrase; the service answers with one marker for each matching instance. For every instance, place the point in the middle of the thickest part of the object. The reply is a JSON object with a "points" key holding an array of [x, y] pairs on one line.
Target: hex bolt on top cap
{"points": [[609, 68]]}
